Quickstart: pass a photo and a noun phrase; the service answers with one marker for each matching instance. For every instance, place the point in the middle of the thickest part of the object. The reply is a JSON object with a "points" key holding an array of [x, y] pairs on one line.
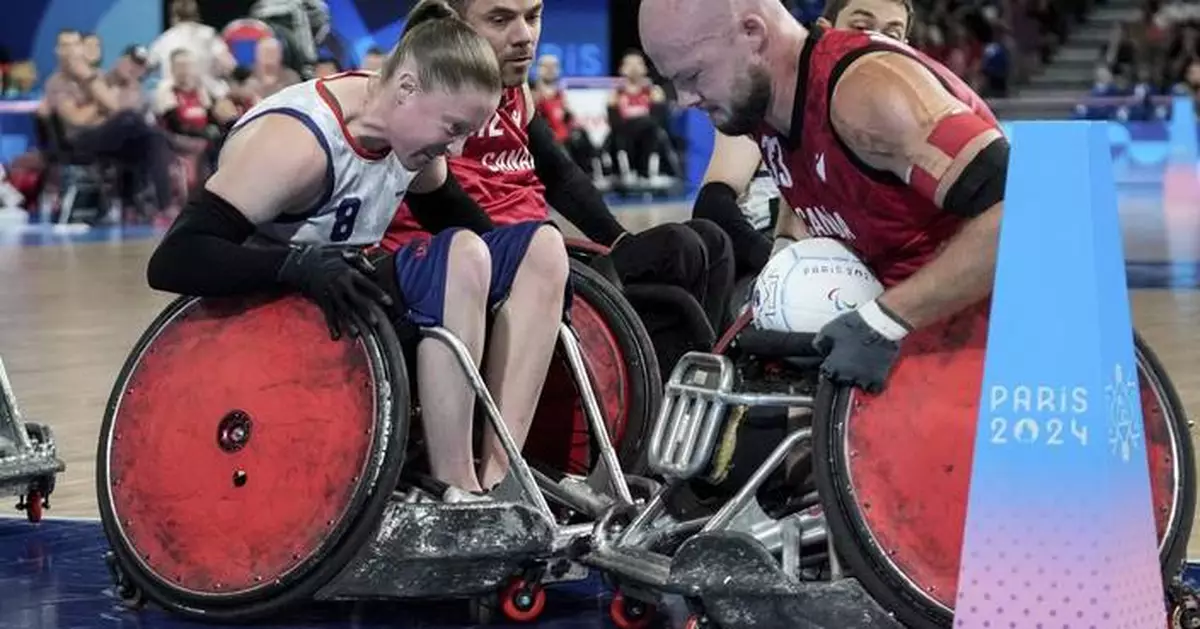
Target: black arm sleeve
{"points": [[448, 206], [202, 254], [568, 189], [981, 183], [717, 202]]}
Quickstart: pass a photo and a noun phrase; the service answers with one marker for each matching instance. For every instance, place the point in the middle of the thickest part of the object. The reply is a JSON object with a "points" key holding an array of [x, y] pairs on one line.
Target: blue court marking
{"points": [[53, 577]]}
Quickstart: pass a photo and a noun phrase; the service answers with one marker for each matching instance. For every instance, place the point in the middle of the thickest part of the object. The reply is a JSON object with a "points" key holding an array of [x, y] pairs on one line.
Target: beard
{"points": [[748, 111]]}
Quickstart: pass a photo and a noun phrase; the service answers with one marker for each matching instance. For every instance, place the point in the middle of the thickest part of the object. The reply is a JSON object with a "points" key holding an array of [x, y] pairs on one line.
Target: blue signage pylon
{"points": [[1060, 529]]}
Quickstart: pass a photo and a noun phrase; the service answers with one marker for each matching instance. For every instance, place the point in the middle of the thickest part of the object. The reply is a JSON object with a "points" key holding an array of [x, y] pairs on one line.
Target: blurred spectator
{"points": [[209, 51], [1184, 48], [637, 118], [21, 78], [190, 115], [1191, 78], [1108, 87], [931, 41], [66, 48], [269, 75], [1190, 85], [240, 96], [183, 104], [1150, 41], [1178, 12], [995, 67], [550, 100], [1052, 26], [1119, 53], [301, 25], [372, 60], [326, 66], [93, 49], [104, 116], [963, 54]]}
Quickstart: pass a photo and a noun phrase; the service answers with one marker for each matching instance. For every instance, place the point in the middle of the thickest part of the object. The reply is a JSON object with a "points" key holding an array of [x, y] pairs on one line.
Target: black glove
{"points": [[336, 279], [860, 347]]}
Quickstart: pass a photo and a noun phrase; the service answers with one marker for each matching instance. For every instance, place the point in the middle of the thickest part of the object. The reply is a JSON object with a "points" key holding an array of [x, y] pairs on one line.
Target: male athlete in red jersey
{"points": [[870, 142], [737, 188], [551, 99], [516, 171], [637, 113]]}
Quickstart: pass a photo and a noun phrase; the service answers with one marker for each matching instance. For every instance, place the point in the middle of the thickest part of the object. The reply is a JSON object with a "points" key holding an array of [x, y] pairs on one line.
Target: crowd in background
{"points": [[992, 44], [146, 144], [1156, 54], [153, 121]]}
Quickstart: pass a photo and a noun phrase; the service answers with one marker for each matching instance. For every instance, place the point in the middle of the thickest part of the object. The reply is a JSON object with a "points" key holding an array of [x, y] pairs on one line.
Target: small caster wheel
{"points": [[521, 601], [32, 505], [130, 595], [1184, 611], [630, 613]]}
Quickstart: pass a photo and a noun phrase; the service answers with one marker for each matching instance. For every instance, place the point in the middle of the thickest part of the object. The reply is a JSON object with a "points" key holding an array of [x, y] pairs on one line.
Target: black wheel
{"points": [[624, 373]]}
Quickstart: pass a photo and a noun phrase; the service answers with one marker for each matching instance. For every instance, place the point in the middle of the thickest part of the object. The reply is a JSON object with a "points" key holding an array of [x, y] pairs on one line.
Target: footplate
{"points": [[434, 550], [741, 586], [693, 413], [693, 410]]}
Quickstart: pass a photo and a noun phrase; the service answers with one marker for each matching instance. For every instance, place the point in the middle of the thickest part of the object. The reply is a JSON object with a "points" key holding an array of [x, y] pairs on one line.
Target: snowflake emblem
{"points": [[1122, 431]]}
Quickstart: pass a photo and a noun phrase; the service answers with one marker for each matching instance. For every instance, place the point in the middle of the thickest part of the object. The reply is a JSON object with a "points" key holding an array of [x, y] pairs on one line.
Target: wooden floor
{"points": [[69, 314]]}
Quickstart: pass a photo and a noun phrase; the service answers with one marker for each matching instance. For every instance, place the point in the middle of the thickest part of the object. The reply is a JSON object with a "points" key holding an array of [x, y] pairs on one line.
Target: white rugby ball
{"points": [[809, 284]]}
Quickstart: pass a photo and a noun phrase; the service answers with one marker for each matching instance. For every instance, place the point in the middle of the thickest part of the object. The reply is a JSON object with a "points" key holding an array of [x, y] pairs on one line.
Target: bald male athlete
{"points": [[738, 192], [870, 141]]}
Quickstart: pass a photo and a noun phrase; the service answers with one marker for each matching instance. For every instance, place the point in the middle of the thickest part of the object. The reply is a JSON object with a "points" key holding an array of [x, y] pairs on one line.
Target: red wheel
{"points": [[522, 602], [33, 506], [693, 622], [628, 613]]}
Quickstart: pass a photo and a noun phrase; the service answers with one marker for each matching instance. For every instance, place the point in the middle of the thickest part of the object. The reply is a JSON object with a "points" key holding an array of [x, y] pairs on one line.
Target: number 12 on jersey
{"points": [[344, 217]]}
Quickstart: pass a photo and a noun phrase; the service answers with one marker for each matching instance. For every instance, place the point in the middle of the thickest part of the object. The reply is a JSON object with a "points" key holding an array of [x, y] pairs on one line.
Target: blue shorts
{"points": [[421, 268]]}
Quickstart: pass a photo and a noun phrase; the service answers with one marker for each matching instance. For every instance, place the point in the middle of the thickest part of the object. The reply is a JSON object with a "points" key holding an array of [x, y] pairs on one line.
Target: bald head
{"points": [[721, 55], [671, 26]]}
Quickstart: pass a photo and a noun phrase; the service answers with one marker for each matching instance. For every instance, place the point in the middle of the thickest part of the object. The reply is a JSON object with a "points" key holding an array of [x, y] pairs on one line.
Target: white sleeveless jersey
{"points": [[362, 194]]}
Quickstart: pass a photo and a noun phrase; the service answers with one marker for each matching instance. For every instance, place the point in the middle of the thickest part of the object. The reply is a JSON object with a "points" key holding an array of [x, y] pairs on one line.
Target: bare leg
{"points": [[447, 400], [522, 343]]}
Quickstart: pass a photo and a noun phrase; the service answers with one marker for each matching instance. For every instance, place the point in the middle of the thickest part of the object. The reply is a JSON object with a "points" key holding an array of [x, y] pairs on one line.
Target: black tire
{"points": [[646, 387], [862, 555], [369, 499]]}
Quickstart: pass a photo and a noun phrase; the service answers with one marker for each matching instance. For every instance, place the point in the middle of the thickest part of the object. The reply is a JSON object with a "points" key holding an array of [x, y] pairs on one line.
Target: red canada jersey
{"points": [[892, 227], [552, 105], [634, 103], [189, 107], [495, 169]]}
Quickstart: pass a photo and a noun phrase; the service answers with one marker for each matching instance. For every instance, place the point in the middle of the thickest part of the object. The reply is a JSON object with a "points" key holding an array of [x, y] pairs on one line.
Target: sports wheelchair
{"points": [[247, 463], [792, 502], [674, 320], [29, 462]]}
